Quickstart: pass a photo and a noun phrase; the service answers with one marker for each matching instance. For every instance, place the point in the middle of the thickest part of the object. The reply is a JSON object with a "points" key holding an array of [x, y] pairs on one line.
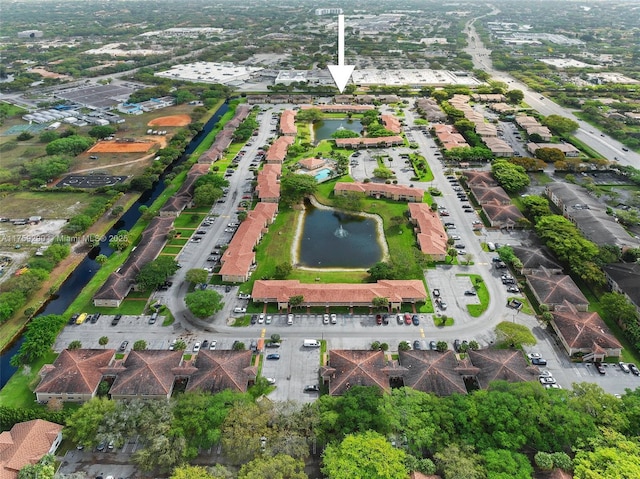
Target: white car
{"points": [[533, 355], [325, 319], [212, 345], [334, 319], [196, 347], [239, 310], [271, 380], [290, 319], [268, 320], [261, 318]]}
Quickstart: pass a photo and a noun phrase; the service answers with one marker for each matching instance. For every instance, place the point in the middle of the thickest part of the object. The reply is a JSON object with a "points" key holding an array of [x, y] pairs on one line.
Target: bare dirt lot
{"points": [[172, 120], [122, 147]]}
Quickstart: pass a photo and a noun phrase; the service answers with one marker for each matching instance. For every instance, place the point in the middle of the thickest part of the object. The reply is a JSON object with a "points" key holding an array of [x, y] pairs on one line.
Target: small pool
{"points": [[323, 174]]}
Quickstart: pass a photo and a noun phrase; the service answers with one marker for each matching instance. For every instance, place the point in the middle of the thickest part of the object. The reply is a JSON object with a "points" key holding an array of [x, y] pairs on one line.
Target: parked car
{"points": [[547, 380], [417, 345], [272, 344], [205, 344], [311, 388], [378, 319], [212, 345], [116, 319], [325, 318], [433, 345], [289, 319], [261, 318], [436, 293], [123, 345], [196, 347], [399, 318], [456, 345], [539, 362], [470, 292], [407, 318], [634, 369], [385, 319], [624, 367], [254, 318], [600, 368], [273, 356], [334, 319], [415, 319]]}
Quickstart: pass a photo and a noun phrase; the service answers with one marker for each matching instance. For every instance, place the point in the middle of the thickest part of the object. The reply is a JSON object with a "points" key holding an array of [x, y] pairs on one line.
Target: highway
{"points": [[608, 147]]}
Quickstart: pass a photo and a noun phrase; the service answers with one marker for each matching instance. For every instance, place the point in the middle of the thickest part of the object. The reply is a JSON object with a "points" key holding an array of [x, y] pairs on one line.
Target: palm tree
{"points": [[103, 341]]}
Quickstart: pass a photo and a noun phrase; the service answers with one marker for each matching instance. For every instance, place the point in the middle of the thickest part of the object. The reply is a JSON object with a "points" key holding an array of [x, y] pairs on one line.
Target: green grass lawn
{"points": [[438, 323], [18, 392], [476, 310]]}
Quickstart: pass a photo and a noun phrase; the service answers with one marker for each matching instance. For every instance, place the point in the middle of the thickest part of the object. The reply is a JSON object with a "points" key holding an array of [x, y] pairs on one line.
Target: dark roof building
{"points": [[535, 257], [502, 365], [432, 372], [584, 333], [216, 371], [554, 289], [74, 376], [348, 368], [625, 279], [501, 215]]}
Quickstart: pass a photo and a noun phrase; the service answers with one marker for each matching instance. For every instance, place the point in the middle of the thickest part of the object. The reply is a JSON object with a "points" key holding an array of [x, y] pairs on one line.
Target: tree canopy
{"points": [[367, 454], [512, 178], [295, 187], [154, 274], [204, 303]]}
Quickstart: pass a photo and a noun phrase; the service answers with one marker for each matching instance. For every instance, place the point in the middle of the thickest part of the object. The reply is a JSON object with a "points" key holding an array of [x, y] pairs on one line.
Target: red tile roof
{"points": [[391, 123], [339, 293], [287, 123], [25, 444], [430, 232], [312, 163], [268, 187], [490, 194], [480, 178], [553, 289], [278, 150], [75, 371], [339, 108], [382, 189], [239, 256], [502, 215], [369, 142], [449, 136]]}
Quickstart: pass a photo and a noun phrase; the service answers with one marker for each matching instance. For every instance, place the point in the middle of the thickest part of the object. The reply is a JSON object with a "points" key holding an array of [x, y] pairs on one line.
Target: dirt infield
{"points": [[122, 147], [173, 120]]}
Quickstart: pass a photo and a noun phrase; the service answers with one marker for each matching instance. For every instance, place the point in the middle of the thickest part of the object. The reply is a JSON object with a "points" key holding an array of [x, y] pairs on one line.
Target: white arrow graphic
{"points": [[341, 72]]}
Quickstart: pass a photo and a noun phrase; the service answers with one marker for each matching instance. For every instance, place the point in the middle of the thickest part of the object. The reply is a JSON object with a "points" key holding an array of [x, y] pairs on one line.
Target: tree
{"points": [[206, 195], [154, 274], [283, 270], [72, 145], [120, 241], [197, 275], [505, 464], [383, 172], [295, 187], [367, 454], [140, 345], [344, 133], [245, 424], [180, 345], [44, 469], [103, 341], [404, 346], [142, 183], [191, 472], [543, 460], [296, 300], [380, 302], [279, 466], [511, 177], [101, 259], [82, 425], [536, 207], [611, 456], [442, 346], [560, 125], [550, 155], [460, 462], [204, 303], [514, 96], [514, 335], [381, 270], [101, 131]]}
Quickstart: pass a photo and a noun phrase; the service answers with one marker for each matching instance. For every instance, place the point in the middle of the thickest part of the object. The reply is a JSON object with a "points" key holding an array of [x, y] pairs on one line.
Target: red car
{"points": [[378, 319], [407, 318]]}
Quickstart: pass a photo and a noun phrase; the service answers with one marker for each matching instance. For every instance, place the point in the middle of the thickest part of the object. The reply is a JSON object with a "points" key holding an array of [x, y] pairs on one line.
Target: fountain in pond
{"points": [[341, 232]]}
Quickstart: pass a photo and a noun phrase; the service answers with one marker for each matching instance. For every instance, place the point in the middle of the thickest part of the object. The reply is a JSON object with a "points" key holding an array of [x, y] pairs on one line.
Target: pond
{"points": [[324, 129], [333, 239]]}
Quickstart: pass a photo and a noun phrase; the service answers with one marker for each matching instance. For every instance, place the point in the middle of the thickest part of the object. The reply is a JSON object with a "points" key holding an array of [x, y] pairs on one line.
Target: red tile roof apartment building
{"points": [[240, 256], [431, 235], [288, 123], [26, 443], [338, 294], [381, 190]]}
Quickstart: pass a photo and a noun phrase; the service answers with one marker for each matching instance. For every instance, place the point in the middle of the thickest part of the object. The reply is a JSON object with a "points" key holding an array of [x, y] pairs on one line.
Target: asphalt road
{"points": [[608, 147]]}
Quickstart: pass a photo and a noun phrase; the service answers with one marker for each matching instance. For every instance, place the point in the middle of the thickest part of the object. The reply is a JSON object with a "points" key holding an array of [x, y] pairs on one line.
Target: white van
{"points": [[491, 246], [311, 343], [240, 310]]}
